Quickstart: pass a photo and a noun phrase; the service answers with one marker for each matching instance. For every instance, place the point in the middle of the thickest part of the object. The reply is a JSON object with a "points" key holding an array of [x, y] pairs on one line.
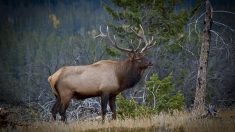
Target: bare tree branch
{"points": [[219, 23]]}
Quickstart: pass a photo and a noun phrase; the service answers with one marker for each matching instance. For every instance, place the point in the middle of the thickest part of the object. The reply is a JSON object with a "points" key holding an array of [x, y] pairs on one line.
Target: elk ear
{"points": [[131, 56]]}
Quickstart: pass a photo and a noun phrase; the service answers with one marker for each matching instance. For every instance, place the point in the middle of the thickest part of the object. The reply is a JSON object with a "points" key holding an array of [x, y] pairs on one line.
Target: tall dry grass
{"points": [[176, 122]]}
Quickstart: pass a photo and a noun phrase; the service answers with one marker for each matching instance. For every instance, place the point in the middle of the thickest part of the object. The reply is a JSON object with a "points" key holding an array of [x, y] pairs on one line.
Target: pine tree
{"points": [[159, 18]]}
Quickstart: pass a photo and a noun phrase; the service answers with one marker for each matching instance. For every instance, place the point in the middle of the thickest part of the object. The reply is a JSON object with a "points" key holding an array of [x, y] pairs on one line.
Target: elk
{"points": [[105, 78]]}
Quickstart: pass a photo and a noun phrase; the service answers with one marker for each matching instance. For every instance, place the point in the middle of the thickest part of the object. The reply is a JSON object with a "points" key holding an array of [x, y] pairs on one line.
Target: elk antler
{"points": [[148, 43], [113, 41]]}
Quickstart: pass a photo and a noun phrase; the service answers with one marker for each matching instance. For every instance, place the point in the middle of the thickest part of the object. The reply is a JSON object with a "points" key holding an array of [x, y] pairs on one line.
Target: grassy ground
{"points": [[177, 122]]}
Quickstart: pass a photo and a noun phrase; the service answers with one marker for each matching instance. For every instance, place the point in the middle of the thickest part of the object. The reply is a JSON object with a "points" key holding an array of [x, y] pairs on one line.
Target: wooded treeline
{"points": [[37, 38]]}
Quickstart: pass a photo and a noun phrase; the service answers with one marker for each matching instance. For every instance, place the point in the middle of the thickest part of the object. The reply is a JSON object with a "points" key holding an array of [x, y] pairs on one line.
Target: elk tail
{"points": [[52, 83], [54, 79]]}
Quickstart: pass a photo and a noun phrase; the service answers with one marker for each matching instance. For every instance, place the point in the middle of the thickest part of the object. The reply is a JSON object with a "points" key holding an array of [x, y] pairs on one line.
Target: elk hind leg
{"points": [[65, 99], [55, 108]]}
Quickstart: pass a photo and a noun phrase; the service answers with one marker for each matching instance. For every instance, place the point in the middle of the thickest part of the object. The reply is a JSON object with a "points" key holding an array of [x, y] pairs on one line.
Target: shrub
{"points": [[161, 96], [130, 108]]}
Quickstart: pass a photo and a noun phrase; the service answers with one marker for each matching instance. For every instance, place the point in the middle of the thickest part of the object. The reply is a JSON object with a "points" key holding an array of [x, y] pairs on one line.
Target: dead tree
{"points": [[199, 101]]}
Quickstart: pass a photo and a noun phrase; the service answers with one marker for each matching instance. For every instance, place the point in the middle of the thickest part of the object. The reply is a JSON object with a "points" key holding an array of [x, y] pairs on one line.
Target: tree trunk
{"points": [[199, 101]]}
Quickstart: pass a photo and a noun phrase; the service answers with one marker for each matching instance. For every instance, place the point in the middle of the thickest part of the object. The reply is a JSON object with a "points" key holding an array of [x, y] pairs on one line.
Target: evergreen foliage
{"points": [[159, 18], [161, 96], [131, 108]]}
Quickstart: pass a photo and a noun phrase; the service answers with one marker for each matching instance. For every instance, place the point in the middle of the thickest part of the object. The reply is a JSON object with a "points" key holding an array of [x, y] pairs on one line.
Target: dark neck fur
{"points": [[128, 74]]}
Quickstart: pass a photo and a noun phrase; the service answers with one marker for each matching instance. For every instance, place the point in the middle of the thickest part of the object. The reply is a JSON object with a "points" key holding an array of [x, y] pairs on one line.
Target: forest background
{"points": [[38, 37]]}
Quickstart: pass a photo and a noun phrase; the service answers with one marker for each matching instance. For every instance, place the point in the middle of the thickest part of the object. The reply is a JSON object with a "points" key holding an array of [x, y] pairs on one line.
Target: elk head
{"points": [[139, 60], [135, 55]]}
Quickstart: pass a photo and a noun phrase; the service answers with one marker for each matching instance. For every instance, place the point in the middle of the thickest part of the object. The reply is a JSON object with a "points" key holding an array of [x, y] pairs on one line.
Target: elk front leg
{"points": [[104, 102], [112, 106]]}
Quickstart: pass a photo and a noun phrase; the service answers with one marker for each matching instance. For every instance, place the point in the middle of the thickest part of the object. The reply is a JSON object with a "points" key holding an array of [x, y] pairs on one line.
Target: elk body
{"points": [[105, 79]]}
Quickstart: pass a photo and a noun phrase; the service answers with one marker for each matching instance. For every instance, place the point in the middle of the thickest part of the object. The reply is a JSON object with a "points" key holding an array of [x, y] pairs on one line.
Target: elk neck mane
{"points": [[128, 74]]}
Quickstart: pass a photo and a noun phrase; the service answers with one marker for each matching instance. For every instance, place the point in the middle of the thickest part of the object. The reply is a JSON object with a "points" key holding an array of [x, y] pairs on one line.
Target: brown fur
{"points": [[105, 78], [53, 79]]}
